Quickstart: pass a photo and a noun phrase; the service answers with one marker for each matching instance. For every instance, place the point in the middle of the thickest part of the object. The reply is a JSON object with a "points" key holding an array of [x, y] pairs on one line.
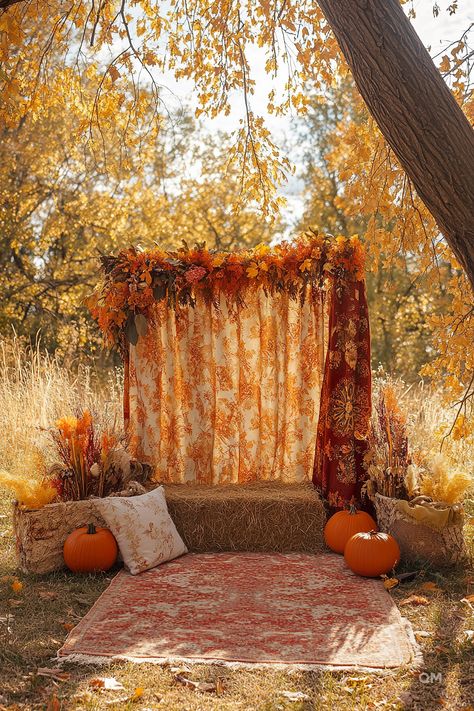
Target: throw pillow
{"points": [[144, 530]]}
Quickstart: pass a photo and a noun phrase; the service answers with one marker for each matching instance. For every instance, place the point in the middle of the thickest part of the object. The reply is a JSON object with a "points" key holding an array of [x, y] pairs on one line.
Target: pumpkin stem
{"points": [[91, 529], [352, 509]]}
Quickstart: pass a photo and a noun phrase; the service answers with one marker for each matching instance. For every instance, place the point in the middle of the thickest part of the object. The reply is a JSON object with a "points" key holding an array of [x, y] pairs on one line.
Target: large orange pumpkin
{"points": [[372, 554], [90, 549], [344, 524]]}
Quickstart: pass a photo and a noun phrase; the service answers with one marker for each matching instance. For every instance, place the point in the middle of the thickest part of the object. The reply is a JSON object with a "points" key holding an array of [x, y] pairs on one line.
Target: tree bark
{"points": [[414, 109], [6, 3]]}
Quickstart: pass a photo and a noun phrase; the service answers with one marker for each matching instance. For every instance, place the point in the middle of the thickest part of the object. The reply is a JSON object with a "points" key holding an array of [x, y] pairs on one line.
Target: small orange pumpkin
{"points": [[372, 554], [90, 549], [344, 524]]}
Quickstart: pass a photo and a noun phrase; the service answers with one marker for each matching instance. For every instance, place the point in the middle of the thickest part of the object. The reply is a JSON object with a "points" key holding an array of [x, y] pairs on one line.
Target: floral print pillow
{"points": [[145, 532]]}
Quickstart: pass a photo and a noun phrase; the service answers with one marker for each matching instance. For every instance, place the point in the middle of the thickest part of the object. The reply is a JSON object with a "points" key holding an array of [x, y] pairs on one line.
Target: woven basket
{"points": [[420, 543]]}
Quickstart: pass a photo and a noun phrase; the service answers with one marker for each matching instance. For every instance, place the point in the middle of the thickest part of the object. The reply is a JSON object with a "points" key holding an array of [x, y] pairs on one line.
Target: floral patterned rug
{"points": [[251, 608]]}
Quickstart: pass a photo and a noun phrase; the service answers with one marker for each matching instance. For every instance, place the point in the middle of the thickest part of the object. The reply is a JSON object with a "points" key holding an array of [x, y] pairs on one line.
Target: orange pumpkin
{"points": [[90, 549], [344, 524], [372, 554]]}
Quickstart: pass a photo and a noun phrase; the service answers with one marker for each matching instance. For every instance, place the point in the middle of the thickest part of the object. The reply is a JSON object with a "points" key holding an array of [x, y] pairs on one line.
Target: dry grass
{"points": [[35, 390]]}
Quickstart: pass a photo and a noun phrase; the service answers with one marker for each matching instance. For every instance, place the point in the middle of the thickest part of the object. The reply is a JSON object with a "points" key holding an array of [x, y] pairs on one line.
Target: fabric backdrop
{"points": [[229, 394], [345, 411]]}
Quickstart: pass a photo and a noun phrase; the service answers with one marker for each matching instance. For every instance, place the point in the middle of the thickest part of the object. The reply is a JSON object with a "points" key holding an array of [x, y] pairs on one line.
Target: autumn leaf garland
{"points": [[135, 280]]}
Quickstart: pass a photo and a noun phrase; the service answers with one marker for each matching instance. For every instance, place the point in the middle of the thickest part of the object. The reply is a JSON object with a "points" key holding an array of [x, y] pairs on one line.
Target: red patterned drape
{"points": [[345, 398]]}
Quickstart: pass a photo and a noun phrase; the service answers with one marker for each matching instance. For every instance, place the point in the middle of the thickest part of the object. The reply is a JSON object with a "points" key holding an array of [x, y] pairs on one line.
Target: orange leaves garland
{"points": [[134, 280]]}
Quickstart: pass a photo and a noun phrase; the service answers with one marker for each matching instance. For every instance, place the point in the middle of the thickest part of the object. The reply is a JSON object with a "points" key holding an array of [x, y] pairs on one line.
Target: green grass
{"points": [[32, 629]]}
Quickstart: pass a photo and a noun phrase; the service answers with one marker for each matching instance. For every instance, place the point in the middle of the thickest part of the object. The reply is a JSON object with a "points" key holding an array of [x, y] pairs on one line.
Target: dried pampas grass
{"points": [[443, 483], [31, 493]]}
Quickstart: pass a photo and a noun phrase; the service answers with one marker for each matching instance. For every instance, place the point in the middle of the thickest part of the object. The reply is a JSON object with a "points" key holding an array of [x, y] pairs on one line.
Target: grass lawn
{"points": [[34, 622]]}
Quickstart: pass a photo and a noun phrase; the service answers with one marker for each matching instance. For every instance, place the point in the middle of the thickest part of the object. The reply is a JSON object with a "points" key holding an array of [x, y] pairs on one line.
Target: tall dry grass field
{"points": [[36, 389]]}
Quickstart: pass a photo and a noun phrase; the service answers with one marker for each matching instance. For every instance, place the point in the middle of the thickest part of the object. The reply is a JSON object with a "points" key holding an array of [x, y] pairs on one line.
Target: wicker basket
{"points": [[420, 543]]}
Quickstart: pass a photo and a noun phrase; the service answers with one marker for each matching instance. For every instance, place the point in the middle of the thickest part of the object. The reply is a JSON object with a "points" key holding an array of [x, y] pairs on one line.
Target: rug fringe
{"points": [[418, 659], [87, 659]]}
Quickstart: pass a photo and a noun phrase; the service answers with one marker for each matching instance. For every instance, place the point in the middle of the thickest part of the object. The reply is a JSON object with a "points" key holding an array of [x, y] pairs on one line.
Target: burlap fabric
{"points": [[420, 541]]}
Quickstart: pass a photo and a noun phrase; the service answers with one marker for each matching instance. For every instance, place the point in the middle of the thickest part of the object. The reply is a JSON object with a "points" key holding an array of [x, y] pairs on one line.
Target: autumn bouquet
{"points": [[89, 462], [395, 469], [388, 463], [417, 495], [85, 458]]}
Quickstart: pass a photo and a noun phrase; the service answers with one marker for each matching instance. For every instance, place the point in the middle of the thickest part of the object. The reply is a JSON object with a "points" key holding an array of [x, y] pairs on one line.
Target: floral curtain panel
{"points": [[229, 394], [345, 409], [246, 365]]}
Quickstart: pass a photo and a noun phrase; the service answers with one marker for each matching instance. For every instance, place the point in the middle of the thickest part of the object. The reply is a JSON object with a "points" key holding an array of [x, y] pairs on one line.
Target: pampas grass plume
{"points": [[443, 483], [30, 493]]}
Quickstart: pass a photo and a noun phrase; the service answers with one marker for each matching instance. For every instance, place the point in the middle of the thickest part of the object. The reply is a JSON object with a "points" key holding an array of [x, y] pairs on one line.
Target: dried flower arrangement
{"points": [[89, 464], [387, 461], [134, 281], [397, 471]]}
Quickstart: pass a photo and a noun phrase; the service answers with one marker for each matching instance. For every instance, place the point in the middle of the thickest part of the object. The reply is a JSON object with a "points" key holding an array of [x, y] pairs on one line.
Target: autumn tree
{"points": [[415, 173], [400, 291], [60, 203]]}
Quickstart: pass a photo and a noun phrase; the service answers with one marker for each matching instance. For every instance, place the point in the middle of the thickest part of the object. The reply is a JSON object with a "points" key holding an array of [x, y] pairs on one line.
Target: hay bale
{"points": [[40, 533], [261, 516]]}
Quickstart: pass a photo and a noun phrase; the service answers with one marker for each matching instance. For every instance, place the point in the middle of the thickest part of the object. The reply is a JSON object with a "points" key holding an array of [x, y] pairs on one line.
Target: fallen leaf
{"points": [[390, 583], [468, 598], [48, 595], [180, 670], [17, 586], [422, 634], [415, 600], [106, 682], [430, 586], [56, 674], [13, 602], [54, 704], [197, 685], [294, 695], [68, 626], [138, 693], [469, 635]]}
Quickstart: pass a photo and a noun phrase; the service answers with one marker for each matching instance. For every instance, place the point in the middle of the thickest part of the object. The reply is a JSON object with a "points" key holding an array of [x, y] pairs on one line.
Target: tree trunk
{"points": [[414, 109], [6, 3]]}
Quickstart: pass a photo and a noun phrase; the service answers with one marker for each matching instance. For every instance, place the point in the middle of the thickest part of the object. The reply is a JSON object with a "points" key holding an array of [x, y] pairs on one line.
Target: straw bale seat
{"points": [[260, 516]]}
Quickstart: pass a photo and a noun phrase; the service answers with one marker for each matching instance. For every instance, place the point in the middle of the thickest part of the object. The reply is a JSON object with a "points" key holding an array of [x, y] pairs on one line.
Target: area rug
{"points": [[246, 608]]}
